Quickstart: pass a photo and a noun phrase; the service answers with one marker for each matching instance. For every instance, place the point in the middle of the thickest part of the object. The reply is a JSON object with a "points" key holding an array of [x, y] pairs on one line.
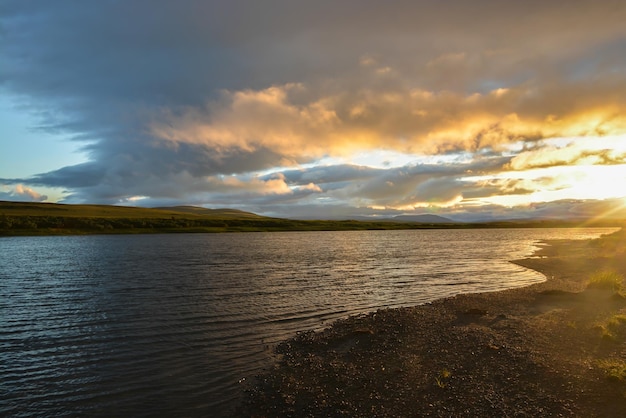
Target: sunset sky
{"points": [[482, 109]]}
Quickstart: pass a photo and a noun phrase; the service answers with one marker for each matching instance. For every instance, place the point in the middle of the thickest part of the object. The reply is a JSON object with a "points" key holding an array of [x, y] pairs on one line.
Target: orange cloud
{"points": [[254, 185], [276, 185], [576, 151], [300, 125], [22, 193]]}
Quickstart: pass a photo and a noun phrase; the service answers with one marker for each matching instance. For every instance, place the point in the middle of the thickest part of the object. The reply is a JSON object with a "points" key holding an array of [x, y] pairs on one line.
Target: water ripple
{"points": [[168, 325]]}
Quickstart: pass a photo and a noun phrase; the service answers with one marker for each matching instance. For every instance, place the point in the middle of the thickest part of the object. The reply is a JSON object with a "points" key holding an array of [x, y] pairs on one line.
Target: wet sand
{"points": [[541, 350]]}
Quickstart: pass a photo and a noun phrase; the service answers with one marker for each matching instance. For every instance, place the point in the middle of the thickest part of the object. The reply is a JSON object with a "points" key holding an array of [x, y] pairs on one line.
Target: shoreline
{"points": [[282, 225], [531, 351]]}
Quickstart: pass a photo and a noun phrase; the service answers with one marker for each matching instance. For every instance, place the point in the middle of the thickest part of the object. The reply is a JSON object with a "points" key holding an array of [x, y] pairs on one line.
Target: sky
{"points": [[473, 110]]}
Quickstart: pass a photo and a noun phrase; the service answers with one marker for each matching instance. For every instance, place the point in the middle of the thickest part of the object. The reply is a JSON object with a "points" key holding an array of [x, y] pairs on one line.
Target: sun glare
{"points": [[590, 182], [600, 182]]}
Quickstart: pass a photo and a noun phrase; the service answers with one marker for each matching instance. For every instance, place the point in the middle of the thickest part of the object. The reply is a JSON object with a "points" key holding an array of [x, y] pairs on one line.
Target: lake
{"points": [[149, 325]]}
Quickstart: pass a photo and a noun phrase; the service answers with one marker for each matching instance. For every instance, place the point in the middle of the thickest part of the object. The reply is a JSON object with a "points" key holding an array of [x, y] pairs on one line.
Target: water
{"points": [[146, 325]]}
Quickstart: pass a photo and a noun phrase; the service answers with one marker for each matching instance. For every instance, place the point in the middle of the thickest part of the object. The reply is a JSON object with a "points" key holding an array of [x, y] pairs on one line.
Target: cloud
{"points": [[578, 210], [408, 187], [239, 103], [564, 209], [300, 129], [579, 151], [20, 193]]}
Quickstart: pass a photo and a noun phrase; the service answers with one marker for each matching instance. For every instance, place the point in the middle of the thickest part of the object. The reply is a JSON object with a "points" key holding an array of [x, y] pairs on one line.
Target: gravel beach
{"points": [[556, 348]]}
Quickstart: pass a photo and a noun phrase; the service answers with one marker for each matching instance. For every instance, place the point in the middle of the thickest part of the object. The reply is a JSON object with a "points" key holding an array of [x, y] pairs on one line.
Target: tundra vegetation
{"points": [[18, 218]]}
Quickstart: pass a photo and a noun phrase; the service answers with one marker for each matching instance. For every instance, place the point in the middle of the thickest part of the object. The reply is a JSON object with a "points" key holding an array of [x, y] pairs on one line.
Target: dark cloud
{"points": [[185, 102], [330, 174]]}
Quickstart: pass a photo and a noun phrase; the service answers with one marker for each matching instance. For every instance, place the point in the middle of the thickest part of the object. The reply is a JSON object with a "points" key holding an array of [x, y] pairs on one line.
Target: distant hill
{"points": [[25, 218], [215, 213], [109, 211], [424, 219]]}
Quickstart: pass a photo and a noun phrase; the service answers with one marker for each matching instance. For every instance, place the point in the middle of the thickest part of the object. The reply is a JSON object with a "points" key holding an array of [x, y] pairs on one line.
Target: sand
{"points": [[542, 350]]}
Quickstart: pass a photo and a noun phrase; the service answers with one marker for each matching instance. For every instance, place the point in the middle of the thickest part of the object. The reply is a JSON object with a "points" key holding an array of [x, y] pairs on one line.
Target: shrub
{"points": [[608, 280]]}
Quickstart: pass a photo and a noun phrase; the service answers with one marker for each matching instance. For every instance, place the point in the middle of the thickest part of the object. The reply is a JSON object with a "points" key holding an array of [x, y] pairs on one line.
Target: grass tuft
{"points": [[613, 329], [613, 369], [617, 322], [442, 378], [608, 280]]}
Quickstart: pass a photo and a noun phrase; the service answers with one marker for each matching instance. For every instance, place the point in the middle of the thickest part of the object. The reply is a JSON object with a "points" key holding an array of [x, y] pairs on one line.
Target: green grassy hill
{"points": [[107, 211], [19, 218], [217, 213]]}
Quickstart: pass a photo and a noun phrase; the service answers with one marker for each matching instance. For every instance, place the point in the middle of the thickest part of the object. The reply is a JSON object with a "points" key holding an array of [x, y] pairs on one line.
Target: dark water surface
{"points": [[167, 325]]}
